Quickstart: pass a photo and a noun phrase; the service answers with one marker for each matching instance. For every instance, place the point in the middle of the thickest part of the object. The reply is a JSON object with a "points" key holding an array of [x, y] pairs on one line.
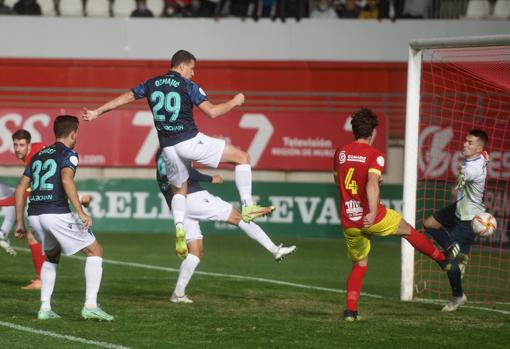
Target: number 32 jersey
{"points": [[352, 164], [48, 194]]}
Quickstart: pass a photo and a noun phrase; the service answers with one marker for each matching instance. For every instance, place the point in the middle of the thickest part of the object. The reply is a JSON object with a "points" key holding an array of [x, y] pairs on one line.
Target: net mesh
{"points": [[464, 89]]}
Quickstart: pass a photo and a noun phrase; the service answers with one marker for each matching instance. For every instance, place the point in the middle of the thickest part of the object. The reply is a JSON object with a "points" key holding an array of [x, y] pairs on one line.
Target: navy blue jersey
{"points": [[195, 177], [47, 194], [171, 98]]}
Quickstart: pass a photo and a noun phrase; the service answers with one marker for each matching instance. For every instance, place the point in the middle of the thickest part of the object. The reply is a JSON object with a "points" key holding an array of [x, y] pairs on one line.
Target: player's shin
{"points": [[243, 181], [425, 246], [186, 271], [354, 283], [440, 236], [93, 275], [48, 276], [454, 278], [37, 257], [255, 232]]}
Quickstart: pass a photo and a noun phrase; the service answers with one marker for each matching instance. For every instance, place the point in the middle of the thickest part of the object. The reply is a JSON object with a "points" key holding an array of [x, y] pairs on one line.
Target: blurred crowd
{"points": [[274, 9]]}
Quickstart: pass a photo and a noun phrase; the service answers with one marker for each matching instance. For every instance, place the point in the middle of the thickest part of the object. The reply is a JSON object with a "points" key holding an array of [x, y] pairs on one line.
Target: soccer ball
{"points": [[484, 224]]}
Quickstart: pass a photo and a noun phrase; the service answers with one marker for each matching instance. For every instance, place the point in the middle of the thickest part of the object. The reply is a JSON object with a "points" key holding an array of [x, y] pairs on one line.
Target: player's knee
{"points": [[244, 158], [53, 256]]}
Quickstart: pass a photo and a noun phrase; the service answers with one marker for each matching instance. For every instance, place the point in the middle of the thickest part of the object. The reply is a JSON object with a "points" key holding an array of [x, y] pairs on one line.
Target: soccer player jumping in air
{"points": [[358, 168], [171, 97]]}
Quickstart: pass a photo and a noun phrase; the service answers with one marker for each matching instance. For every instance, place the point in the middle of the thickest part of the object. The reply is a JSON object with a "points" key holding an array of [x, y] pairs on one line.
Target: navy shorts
{"points": [[460, 231]]}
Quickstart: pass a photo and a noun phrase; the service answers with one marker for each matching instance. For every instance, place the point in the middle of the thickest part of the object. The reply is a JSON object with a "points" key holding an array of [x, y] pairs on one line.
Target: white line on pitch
{"points": [[62, 336], [271, 281]]}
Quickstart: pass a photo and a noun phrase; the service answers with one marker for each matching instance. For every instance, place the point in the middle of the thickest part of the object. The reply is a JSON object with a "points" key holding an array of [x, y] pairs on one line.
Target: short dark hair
{"points": [[22, 134], [181, 56], [65, 124], [481, 135], [363, 122]]}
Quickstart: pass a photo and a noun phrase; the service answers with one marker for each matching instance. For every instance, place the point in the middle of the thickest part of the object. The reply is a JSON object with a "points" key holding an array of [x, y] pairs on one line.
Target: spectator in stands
{"points": [[27, 7], [266, 8], [209, 8], [141, 10], [417, 9], [323, 9], [348, 9], [4, 9], [371, 10], [177, 8], [291, 8]]}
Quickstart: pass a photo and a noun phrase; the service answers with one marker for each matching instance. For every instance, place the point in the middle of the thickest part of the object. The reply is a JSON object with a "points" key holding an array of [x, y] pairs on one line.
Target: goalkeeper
{"points": [[201, 205], [450, 227]]}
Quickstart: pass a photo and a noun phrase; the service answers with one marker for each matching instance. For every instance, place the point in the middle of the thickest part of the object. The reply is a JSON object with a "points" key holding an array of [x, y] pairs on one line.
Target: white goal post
{"points": [[416, 49]]}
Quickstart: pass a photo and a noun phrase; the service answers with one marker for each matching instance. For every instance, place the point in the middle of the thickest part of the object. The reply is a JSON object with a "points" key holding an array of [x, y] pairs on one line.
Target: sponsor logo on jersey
{"points": [[356, 158], [74, 160], [341, 157], [380, 161], [354, 210]]}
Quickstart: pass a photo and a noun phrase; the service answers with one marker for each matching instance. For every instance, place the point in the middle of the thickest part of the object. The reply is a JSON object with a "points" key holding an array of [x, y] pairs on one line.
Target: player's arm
{"points": [[125, 98], [215, 110], [373, 192], [198, 176], [21, 189], [72, 195]]}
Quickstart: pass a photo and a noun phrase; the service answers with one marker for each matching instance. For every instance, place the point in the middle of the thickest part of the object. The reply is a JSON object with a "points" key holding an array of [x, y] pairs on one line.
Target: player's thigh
{"points": [[202, 206], [232, 154], [192, 229], [196, 247], [446, 217], [176, 168], [463, 234], [46, 239], [387, 226], [357, 243], [68, 231], [203, 149]]}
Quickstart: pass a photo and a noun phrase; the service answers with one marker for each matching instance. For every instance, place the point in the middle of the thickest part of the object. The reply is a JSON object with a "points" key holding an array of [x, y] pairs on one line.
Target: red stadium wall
{"points": [[304, 103]]}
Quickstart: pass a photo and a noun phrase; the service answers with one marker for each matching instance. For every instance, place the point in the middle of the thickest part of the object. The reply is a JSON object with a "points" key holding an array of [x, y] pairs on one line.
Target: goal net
{"points": [[455, 86]]}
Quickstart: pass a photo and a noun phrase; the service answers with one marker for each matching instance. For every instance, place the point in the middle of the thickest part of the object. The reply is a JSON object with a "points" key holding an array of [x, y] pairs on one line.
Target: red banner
{"points": [[126, 138]]}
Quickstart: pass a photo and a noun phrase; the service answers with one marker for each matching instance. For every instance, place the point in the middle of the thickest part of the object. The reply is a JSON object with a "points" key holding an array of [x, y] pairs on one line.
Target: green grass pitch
{"points": [[239, 302]]}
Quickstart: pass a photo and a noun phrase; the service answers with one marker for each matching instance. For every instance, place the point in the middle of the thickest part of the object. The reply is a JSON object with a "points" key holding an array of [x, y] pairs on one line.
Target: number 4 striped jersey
{"points": [[352, 164]]}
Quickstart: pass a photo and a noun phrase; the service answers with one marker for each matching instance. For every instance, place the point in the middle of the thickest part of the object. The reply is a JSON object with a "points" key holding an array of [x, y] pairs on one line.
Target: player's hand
{"points": [[238, 99], [20, 232], [86, 200], [217, 179], [369, 219], [86, 220], [89, 115]]}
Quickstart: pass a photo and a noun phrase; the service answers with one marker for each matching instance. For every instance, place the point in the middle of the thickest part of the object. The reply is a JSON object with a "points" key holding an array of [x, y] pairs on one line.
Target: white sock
{"points": [[93, 274], [185, 273], [9, 220], [256, 233], [48, 276], [179, 208], [243, 184]]}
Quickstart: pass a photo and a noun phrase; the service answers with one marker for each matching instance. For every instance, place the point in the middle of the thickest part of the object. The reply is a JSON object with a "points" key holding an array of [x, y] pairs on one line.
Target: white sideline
{"points": [[62, 336], [277, 282]]}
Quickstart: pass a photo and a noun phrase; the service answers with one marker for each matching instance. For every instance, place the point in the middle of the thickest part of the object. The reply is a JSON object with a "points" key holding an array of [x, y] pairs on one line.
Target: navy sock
{"points": [[454, 278]]}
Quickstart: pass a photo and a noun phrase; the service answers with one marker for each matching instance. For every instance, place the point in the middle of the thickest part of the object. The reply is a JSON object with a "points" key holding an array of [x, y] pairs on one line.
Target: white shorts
{"points": [[202, 206], [201, 148], [65, 230]]}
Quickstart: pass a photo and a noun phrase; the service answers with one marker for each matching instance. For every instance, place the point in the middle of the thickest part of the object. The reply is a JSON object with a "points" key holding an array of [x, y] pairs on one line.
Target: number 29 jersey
{"points": [[352, 164], [48, 194], [171, 98]]}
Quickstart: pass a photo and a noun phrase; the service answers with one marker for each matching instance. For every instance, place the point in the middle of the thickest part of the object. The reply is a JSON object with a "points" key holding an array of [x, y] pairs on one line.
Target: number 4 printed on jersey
{"points": [[351, 184]]}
